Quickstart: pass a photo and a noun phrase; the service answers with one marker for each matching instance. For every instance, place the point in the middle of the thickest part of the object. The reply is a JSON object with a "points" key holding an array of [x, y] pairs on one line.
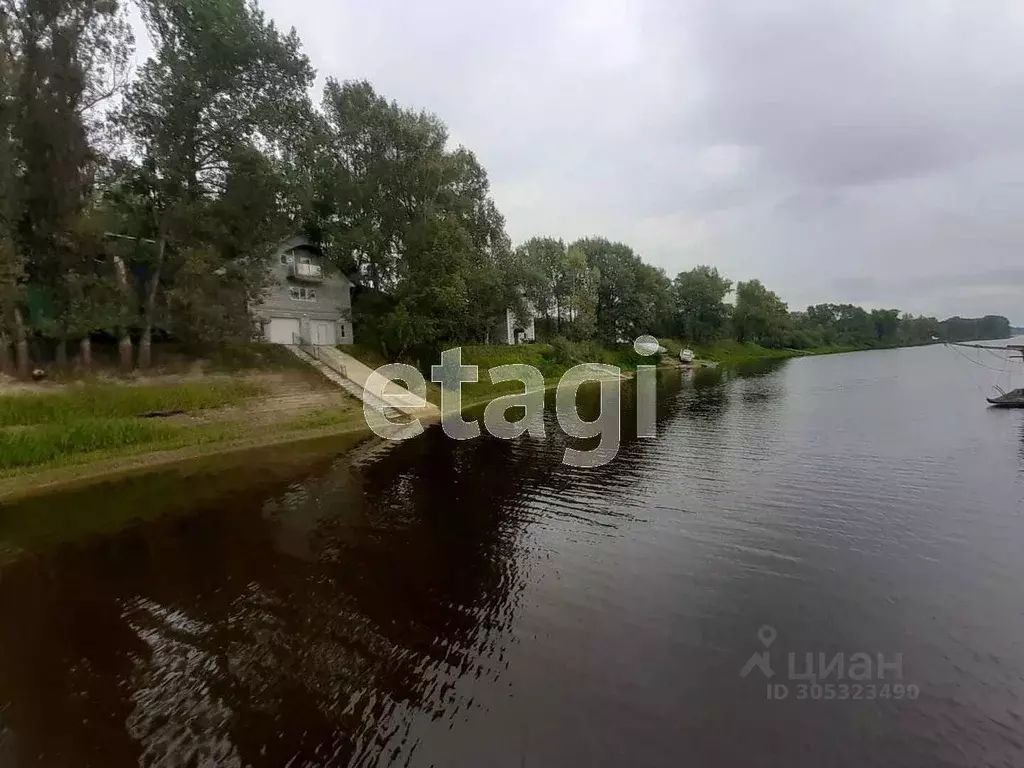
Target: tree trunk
{"points": [[124, 340], [6, 362], [62, 355], [21, 345], [149, 308], [85, 354], [125, 353]]}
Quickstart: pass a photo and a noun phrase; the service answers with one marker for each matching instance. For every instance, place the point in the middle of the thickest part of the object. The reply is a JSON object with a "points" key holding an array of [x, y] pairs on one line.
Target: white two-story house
{"points": [[306, 298]]}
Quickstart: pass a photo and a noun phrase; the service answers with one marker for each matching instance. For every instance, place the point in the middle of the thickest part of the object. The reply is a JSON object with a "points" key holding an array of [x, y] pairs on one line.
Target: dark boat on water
{"points": [[1012, 399], [1015, 397]]}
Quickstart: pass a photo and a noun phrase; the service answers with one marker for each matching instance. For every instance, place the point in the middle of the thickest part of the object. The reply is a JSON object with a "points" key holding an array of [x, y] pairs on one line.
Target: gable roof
{"points": [[298, 241]]}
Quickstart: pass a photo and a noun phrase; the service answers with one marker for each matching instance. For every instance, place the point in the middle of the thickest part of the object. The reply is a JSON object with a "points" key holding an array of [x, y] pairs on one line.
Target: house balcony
{"points": [[307, 273]]}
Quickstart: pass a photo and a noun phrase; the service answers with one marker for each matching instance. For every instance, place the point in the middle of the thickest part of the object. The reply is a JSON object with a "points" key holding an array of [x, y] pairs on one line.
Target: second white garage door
{"points": [[322, 332], [280, 330]]}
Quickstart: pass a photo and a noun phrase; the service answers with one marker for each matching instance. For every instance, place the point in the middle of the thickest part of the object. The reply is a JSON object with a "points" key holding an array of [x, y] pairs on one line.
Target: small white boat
{"points": [[686, 356]]}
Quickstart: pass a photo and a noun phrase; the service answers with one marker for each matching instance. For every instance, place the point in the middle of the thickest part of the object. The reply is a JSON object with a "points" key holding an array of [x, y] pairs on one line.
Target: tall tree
{"points": [[73, 56], [579, 303], [623, 310], [414, 218], [543, 262], [760, 315], [656, 289], [456, 275], [222, 77], [11, 268], [700, 301], [388, 170], [886, 323]]}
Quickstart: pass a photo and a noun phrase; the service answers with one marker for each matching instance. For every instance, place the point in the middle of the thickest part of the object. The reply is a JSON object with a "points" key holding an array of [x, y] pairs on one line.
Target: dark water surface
{"points": [[481, 604]]}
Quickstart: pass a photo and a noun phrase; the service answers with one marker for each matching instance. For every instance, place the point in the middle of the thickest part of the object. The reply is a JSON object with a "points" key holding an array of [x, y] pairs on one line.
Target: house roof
{"points": [[301, 241], [298, 241]]}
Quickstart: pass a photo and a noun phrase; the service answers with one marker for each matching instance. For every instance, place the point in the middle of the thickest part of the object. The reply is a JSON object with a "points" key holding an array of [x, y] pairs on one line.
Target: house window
{"points": [[302, 294], [342, 327]]}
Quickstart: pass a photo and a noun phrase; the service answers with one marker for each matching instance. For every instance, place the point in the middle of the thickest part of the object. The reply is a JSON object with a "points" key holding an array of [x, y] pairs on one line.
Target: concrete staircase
{"points": [[351, 375]]}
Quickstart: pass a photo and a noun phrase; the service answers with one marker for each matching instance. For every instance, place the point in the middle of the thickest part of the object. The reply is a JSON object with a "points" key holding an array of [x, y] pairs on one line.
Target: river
{"points": [[480, 603]]}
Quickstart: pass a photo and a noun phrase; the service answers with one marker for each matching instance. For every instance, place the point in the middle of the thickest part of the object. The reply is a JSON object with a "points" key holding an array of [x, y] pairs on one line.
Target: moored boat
{"points": [[1012, 399], [686, 356]]}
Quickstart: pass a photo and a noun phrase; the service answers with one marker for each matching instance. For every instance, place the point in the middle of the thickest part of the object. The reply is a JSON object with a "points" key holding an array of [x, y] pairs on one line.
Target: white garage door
{"points": [[280, 330], [323, 332]]}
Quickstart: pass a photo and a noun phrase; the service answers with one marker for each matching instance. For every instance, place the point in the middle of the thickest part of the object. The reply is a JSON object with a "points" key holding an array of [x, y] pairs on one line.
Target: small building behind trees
{"points": [[511, 329]]}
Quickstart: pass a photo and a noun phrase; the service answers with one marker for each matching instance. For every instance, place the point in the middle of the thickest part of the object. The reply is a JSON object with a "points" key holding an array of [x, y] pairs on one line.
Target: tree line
{"points": [[594, 288], [141, 205]]}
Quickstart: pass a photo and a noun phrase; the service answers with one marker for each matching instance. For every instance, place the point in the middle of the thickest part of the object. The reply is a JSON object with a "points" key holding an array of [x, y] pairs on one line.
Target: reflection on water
{"points": [[481, 603]]}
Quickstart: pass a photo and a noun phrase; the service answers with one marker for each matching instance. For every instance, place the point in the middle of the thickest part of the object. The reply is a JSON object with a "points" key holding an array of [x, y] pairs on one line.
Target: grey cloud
{"points": [[838, 150], [839, 93]]}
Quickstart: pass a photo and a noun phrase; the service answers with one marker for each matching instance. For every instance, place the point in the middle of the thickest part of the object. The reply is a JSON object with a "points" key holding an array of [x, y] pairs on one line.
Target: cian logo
{"points": [[761, 659]]}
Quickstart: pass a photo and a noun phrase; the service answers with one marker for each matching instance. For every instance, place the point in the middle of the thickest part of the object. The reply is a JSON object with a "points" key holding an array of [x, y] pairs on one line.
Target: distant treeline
{"points": [[145, 204], [594, 288]]}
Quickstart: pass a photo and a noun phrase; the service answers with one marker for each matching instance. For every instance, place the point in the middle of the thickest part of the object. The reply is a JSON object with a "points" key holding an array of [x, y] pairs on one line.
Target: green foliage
{"points": [[850, 325], [565, 354], [580, 300], [760, 315], [700, 304], [413, 217], [543, 265], [970, 329], [205, 304], [631, 296]]}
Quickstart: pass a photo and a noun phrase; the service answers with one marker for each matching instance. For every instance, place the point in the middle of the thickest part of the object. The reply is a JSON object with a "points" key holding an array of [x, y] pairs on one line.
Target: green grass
{"points": [[44, 444], [554, 359], [492, 355], [323, 418], [730, 352], [45, 447], [364, 353], [94, 401], [96, 421], [234, 357]]}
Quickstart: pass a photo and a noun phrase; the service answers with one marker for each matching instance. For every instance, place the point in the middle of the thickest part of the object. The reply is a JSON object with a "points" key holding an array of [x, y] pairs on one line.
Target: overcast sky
{"points": [[857, 150]]}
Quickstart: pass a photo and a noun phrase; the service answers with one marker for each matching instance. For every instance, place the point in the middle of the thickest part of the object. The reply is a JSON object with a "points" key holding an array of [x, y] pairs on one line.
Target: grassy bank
{"points": [[113, 401], [735, 352], [552, 360], [97, 420], [100, 422]]}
